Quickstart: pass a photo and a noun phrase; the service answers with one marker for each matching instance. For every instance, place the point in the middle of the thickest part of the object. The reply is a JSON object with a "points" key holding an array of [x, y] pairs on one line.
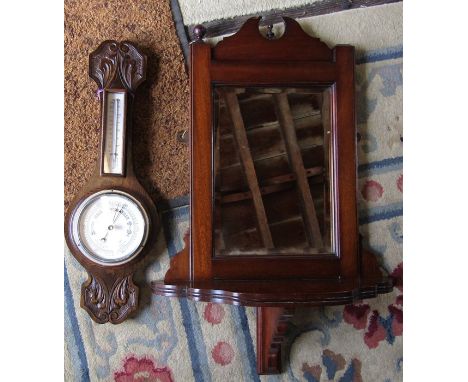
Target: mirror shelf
{"points": [[273, 205]]}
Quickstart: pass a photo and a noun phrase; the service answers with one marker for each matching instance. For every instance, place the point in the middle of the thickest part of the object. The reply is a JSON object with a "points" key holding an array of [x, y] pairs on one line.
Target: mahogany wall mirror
{"points": [[273, 208]]}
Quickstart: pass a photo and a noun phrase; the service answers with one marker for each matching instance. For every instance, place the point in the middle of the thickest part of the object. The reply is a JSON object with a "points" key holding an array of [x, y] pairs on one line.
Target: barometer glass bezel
{"points": [[75, 220]]}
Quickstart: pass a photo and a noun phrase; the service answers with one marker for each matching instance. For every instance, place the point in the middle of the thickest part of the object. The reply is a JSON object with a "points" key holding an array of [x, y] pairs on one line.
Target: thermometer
{"points": [[112, 223], [114, 132]]}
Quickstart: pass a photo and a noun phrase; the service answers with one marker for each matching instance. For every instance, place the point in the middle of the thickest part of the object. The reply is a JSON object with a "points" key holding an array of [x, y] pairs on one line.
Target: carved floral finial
{"points": [[112, 306], [113, 59], [199, 32]]}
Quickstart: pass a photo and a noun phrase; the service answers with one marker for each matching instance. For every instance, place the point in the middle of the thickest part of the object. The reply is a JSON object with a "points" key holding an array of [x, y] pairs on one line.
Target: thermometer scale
{"points": [[111, 225], [115, 103]]}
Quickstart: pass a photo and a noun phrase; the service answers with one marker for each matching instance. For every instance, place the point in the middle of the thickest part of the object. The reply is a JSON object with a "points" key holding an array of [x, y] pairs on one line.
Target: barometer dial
{"points": [[110, 227], [112, 223]]}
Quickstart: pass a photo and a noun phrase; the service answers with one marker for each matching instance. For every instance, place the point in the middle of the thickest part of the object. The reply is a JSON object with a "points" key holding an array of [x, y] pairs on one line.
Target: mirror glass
{"points": [[272, 171]]}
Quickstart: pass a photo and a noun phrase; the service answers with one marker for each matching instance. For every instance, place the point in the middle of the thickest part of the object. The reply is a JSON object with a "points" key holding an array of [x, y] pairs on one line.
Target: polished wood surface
{"points": [[249, 45], [201, 214], [272, 324], [277, 293], [273, 281], [109, 294], [324, 71]]}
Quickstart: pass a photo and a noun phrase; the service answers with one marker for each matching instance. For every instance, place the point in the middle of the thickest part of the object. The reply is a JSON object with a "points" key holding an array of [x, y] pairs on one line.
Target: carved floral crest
{"points": [[112, 59], [111, 307]]}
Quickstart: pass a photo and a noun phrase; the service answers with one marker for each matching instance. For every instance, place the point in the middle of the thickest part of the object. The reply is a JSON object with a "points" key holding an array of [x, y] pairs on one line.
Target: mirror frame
{"points": [[277, 284], [296, 59]]}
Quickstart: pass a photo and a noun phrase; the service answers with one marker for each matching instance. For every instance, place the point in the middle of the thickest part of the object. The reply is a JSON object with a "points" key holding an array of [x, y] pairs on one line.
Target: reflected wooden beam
{"points": [[240, 138], [271, 185], [286, 123]]}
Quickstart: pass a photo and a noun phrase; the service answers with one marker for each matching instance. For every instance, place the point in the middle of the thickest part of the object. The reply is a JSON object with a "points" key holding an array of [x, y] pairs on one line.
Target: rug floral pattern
{"points": [[180, 340]]}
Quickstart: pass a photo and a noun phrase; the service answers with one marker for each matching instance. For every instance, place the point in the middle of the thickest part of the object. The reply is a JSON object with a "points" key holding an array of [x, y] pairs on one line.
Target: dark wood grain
{"points": [[240, 138], [248, 43], [269, 167], [201, 214], [109, 294], [273, 277], [271, 185], [278, 292], [114, 65], [288, 131], [345, 166], [272, 323]]}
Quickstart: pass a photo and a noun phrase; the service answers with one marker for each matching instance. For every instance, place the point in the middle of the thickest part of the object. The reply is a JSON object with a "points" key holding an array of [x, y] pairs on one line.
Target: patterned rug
{"points": [[179, 340]]}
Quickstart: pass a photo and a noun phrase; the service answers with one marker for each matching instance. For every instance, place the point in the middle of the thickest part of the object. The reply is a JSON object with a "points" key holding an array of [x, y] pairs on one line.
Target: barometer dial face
{"points": [[113, 156], [110, 227]]}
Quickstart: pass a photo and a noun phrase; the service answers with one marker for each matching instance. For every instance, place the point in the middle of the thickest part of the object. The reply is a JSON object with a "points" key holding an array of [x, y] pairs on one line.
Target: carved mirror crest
{"points": [[273, 206]]}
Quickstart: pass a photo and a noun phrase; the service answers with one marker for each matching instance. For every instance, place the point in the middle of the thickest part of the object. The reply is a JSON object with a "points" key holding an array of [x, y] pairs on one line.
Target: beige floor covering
{"points": [[179, 340]]}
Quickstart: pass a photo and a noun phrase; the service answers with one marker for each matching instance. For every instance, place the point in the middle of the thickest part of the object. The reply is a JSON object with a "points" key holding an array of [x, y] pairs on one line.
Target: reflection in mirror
{"points": [[272, 171]]}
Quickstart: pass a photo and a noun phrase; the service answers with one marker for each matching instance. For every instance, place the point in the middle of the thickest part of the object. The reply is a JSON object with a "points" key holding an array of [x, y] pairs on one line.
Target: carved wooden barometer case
{"points": [[273, 207], [112, 222]]}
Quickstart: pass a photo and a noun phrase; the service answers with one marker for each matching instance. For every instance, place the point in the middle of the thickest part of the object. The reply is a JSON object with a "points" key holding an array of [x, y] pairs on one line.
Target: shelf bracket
{"points": [[272, 324]]}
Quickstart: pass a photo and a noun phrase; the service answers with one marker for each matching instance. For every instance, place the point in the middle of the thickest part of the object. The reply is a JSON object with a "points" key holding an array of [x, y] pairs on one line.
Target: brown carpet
{"points": [[161, 105], [184, 341]]}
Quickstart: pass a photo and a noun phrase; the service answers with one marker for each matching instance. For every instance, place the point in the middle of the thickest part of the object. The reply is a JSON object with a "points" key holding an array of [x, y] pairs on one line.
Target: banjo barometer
{"points": [[110, 225]]}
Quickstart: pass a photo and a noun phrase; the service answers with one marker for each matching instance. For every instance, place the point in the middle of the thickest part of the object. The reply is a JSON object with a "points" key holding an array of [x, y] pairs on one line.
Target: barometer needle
{"points": [[118, 211], [118, 214], [105, 236]]}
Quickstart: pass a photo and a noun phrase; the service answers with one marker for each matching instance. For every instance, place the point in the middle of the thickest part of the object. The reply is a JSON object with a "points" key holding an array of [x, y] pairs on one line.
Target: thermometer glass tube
{"points": [[114, 131]]}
